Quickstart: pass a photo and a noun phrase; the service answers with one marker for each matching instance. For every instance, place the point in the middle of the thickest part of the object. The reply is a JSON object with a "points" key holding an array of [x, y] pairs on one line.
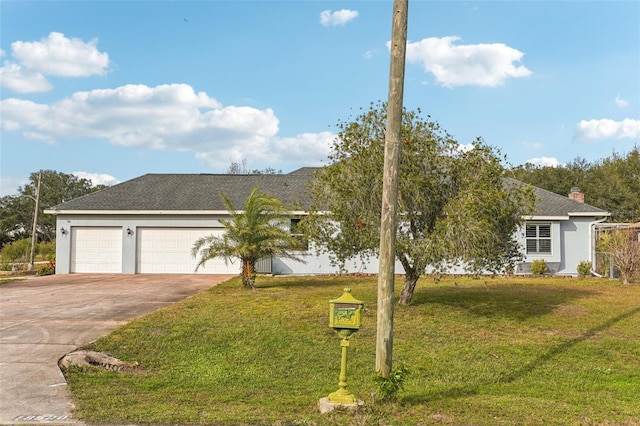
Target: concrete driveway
{"points": [[44, 318]]}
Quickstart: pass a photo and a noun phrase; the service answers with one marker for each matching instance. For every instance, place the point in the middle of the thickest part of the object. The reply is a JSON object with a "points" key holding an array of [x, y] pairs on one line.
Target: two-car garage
{"points": [[158, 250]]}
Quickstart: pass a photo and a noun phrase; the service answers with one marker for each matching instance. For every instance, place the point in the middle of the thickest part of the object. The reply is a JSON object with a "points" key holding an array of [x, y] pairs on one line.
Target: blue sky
{"points": [[111, 90]]}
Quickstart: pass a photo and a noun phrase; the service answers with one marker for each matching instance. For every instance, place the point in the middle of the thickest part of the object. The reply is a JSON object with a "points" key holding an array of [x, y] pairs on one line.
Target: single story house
{"points": [[149, 224]]}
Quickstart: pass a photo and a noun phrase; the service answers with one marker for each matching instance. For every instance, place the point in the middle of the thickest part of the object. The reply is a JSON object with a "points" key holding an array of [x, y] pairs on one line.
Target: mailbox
{"points": [[345, 312], [345, 317]]}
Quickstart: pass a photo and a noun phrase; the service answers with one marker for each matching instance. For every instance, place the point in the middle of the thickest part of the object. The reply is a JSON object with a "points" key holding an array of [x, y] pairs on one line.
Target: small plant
{"points": [[509, 270], [48, 269], [539, 267], [388, 387], [584, 268]]}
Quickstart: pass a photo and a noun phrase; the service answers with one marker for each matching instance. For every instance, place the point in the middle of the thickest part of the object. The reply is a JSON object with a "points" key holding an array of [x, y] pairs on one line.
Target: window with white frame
{"points": [[538, 238]]}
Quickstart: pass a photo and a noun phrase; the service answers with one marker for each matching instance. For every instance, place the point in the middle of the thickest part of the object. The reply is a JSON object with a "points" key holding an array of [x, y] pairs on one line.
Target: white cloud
{"points": [[339, 17], [19, 80], [306, 146], [39, 137], [533, 145], [59, 55], [9, 185], [166, 117], [608, 129], [621, 103], [54, 55], [465, 147], [97, 178], [471, 64], [545, 162]]}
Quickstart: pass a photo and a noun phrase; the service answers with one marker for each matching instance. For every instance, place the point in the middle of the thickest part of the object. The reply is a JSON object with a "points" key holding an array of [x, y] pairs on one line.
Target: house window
{"points": [[304, 243], [538, 238]]}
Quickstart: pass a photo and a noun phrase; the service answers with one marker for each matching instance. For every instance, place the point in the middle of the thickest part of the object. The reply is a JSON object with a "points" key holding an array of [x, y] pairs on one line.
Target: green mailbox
{"points": [[345, 317], [345, 312]]}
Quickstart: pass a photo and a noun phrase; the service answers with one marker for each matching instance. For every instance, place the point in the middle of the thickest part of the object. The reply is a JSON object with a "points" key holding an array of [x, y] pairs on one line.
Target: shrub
{"points": [[623, 247], [46, 249], [388, 387], [539, 267], [584, 268], [17, 251], [48, 269]]}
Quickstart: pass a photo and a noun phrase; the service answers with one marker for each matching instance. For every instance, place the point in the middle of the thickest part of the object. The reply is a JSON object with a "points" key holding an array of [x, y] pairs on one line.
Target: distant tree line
{"points": [[612, 183], [17, 211], [241, 168]]}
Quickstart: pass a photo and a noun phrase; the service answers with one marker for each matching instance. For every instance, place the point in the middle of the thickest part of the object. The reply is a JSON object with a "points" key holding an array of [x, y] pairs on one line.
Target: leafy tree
{"points": [[241, 168], [238, 168], [615, 186], [266, 171], [558, 179], [16, 211], [454, 206], [260, 231]]}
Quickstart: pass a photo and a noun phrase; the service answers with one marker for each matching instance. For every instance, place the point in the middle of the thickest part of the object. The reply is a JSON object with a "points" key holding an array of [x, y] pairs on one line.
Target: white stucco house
{"points": [[149, 224]]}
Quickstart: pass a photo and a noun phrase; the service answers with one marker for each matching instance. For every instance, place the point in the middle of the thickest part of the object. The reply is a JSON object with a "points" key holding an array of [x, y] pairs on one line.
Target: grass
{"points": [[6, 279], [495, 351]]}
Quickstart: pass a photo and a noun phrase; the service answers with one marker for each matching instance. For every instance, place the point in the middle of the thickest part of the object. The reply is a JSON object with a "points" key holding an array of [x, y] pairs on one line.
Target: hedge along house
{"points": [[149, 225]]}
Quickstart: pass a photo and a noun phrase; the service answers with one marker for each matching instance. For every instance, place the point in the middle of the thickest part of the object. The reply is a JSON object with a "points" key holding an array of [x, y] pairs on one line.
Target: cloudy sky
{"points": [[111, 90]]}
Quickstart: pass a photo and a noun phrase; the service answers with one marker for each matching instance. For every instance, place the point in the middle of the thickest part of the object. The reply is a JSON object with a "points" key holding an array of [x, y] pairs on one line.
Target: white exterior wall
{"points": [[571, 244], [577, 243], [321, 264]]}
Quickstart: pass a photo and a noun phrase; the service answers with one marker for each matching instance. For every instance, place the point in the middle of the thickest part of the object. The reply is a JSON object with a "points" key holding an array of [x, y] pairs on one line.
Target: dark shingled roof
{"points": [[551, 204], [175, 192], [193, 192]]}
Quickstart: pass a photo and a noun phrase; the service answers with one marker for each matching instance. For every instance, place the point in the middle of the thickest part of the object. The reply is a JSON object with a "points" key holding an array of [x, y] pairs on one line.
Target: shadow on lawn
{"points": [[515, 301], [539, 362], [319, 281]]}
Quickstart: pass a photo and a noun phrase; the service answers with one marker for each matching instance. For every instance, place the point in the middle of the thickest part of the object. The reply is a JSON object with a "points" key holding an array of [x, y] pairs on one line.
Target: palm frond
{"points": [[260, 230]]}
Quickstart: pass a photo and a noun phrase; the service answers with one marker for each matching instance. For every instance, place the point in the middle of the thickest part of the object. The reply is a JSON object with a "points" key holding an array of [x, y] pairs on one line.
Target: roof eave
{"points": [[544, 217], [589, 214], [136, 212]]}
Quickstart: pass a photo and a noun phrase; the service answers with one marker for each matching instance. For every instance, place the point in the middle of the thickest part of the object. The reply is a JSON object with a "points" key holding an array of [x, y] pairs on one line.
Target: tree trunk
{"points": [[248, 273], [410, 280], [626, 274]]}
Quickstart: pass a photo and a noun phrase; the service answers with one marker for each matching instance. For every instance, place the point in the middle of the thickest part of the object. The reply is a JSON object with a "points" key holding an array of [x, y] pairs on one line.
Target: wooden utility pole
{"points": [[35, 224], [386, 269]]}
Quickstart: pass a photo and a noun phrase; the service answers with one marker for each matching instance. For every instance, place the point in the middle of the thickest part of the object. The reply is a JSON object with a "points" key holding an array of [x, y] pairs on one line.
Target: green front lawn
{"points": [[489, 351]]}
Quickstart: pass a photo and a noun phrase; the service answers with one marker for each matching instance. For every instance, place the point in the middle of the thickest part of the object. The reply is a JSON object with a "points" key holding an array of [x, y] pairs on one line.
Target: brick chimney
{"points": [[576, 195]]}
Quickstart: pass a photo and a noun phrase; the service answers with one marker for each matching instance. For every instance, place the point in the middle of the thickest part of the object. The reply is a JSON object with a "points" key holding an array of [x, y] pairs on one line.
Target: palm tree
{"points": [[260, 231]]}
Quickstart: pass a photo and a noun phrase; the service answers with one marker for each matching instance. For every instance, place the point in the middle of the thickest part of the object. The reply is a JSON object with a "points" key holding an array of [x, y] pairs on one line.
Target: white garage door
{"points": [[96, 250], [168, 251]]}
